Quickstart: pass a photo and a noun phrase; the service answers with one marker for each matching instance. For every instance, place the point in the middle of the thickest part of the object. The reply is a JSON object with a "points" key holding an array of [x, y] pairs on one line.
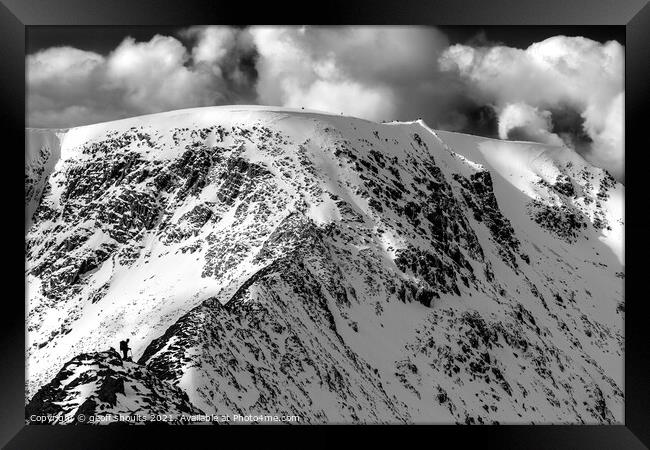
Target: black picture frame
{"points": [[634, 15]]}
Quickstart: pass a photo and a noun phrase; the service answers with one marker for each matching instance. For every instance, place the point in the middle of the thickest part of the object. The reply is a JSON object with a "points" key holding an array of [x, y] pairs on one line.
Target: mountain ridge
{"points": [[145, 223]]}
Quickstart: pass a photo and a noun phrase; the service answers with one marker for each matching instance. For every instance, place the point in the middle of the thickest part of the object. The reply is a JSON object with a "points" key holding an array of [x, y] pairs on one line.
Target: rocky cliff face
{"points": [[282, 262]]}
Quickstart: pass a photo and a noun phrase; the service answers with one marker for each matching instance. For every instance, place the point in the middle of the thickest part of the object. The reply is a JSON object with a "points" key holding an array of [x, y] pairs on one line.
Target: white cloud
{"points": [[559, 72], [213, 43], [377, 73], [61, 74], [65, 65], [68, 86], [154, 77], [369, 72], [220, 49], [372, 72], [607, 129], [348, 97]]}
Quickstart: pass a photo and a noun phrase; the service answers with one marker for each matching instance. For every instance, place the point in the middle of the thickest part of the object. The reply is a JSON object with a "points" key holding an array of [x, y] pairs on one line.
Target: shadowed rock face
{"points": [[101, 384], [328, 267]]}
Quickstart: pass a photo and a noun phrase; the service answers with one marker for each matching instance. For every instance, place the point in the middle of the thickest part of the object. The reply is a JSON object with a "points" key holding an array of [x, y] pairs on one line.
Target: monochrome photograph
{"points": [[299, 225]]}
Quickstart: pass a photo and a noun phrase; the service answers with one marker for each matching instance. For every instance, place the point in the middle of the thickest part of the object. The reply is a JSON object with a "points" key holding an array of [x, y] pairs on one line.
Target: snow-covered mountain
{"points": [[42, 151], [275, 261]]}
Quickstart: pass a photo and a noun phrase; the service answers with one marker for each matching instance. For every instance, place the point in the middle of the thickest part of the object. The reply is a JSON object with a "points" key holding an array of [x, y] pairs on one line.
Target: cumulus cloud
{"points": [[303, 68], [58, 83], [371, 72], [559, 73], [562, 90], [68, 86], [228, 52], [153, 75]]}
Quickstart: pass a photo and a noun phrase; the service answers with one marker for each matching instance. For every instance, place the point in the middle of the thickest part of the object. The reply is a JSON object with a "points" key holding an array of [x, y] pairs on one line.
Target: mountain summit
{"points": [[274, 261]]}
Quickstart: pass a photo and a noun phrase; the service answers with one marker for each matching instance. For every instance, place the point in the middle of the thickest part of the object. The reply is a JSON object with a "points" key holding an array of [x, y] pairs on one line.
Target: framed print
{"points": [[411, 214]]}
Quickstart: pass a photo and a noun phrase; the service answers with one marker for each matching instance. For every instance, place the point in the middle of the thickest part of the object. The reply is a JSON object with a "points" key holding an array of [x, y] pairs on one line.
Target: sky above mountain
{"points": [[557, 86]]}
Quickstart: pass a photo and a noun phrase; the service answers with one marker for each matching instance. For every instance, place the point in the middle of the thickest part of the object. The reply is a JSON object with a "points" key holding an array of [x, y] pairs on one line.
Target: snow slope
{"points": [[42, 151], [267, 260]]}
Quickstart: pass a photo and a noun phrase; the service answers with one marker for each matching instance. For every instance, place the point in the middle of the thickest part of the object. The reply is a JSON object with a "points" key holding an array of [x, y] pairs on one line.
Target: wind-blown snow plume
{"points": [[525, 122]]}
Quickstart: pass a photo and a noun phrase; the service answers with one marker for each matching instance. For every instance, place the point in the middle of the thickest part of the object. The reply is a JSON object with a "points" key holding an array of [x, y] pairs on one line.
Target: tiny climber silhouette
{"points": [[124, 348]]}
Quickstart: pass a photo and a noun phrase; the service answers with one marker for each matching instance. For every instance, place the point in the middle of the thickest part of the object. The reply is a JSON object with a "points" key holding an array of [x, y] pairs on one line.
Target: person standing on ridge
{"points": [[124, 348]]}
